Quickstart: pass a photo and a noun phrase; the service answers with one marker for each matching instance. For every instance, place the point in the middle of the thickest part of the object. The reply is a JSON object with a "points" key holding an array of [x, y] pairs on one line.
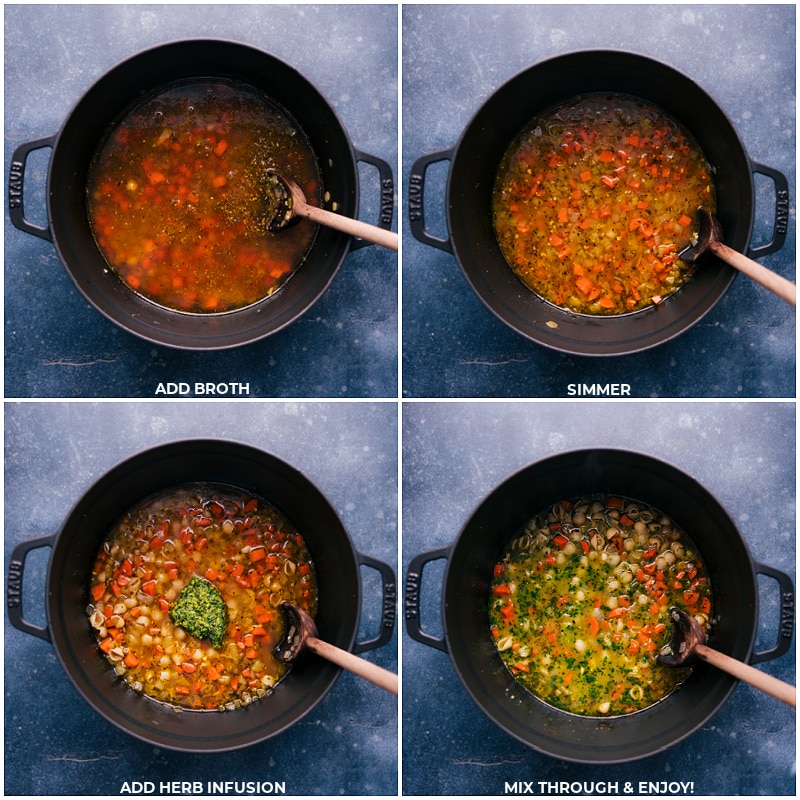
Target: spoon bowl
{"points": [[288, 203], [710, 238], [301, 632], [689, 642]]}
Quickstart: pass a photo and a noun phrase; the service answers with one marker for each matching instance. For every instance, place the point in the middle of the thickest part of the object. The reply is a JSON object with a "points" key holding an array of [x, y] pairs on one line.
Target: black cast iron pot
{"points": [[465, 599], [477, 155], [87, 124], [74, 549]]}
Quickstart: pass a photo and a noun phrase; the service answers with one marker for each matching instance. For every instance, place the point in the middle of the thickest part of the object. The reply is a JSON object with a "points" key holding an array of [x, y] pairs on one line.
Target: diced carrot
{"points": [[560, 541], [606, 156], [222, 146], [502, 589], [106, 644], [131, 660], [586, 175], [684, 220], [584, 284], [98, 590], [218, 181], [257, 553]]}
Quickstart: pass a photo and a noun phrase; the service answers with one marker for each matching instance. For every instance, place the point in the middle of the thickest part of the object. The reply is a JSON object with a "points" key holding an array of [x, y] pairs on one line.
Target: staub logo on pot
{"points": [[412, 595], [415, 198], [14, 593], [15, 184]]}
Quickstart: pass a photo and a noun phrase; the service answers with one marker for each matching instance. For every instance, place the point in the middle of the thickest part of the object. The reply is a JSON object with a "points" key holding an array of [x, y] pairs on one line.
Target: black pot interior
{"points": [[506, 113], [86, 127], [90, 522], [495, 522]]}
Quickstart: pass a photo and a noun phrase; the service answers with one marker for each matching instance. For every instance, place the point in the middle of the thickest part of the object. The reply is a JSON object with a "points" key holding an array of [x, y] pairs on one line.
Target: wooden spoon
{"points": [[302, 632], [709, 237], [688, 641], [291, 204]]}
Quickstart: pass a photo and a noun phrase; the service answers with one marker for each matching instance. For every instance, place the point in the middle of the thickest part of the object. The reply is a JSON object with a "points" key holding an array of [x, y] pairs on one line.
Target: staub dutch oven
{"points": [[88, 123], [75, 547], [465, 597], [476, 157]]}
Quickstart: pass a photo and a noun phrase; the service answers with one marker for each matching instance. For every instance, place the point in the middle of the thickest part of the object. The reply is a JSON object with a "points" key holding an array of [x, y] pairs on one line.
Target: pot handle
{"points": [[416, 199], [387, 194], [781, 224], [412, 594], [389, 611], [16, 181], [786, 625], [16, 569]]}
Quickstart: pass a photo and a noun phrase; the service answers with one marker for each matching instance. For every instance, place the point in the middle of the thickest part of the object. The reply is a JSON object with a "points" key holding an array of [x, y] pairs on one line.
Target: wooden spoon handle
{"points": [[372, 233], [777, 284], [358, 666], [766, 683]]}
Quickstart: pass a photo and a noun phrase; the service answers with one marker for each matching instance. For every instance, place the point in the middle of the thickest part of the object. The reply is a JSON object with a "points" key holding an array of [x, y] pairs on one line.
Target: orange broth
{"points": [[594, 200], [238, 544], [178, 200]]}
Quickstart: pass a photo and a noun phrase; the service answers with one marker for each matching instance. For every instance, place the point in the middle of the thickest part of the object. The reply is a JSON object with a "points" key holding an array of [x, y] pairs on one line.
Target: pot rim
{"points": [[203, 332], [320, 675], [517, 306], [578, 452], [478, 666]]}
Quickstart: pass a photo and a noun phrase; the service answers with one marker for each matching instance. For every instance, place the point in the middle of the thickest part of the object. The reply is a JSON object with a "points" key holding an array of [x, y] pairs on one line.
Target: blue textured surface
{"points": [[55, 744], [57, 345], [454, 454], [456, 56]]}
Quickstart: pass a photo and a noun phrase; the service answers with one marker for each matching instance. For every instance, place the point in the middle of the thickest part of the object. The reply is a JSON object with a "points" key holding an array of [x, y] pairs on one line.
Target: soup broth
{"points": [[594, 200], [580, 604], [185, 595], [178, 197]]}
